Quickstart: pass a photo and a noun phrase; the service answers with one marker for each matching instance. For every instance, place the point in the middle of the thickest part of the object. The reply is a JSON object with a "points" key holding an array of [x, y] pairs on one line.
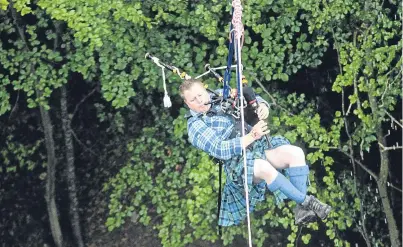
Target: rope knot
{"points": [[237, 19]]}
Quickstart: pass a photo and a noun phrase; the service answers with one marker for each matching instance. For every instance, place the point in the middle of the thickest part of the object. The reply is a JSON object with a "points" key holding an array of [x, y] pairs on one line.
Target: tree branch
{"points": [[271, 97], [361, 164], [15, 106], [82, 101], [383, 148], [361, 228], [19, 28], [393, 119], [81, 143], [394, 187], [355, 77], [49, 144], [333, 148]]}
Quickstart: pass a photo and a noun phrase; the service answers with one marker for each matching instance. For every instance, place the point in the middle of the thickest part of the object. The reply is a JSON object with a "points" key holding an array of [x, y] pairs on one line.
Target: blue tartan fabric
{"points": [[233, 203], [210, 133]]}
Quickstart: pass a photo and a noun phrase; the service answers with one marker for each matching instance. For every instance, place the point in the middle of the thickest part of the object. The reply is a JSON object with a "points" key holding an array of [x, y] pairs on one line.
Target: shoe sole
{"points": [[306, 220], [328, 209]]}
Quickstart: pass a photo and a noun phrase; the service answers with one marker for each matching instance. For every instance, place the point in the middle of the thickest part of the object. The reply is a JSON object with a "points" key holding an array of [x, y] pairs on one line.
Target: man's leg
{"points": [[299, 178], [292, 158], [263, 170], [286, 156]]}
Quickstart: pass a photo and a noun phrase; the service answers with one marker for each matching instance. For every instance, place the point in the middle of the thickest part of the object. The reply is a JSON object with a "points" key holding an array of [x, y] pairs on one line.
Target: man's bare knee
{"points": [[296, 156], [263, 170], [285, 156]]}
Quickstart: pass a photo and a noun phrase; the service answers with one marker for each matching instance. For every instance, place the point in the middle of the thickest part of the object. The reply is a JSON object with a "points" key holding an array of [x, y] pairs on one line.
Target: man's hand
{"points": [[260, 129], [233, 93], [262, 111]]}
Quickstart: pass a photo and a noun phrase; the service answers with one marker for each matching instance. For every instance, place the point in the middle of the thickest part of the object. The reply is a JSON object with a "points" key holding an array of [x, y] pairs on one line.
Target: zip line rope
{"points": [[238, 33]]}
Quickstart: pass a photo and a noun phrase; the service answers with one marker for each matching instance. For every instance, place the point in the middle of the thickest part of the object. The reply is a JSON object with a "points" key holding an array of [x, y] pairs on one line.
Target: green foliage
{"points": [[162, 183], [29, 64], [286, 48], [111, 38], [93, 20], [287, 54], [16, 155], [3, 4], [370, 71], [22, 6], [165, 182]]}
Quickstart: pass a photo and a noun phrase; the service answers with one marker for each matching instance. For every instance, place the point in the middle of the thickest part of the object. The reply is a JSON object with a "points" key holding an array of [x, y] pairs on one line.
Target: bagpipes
{"points": [[230, 105]]}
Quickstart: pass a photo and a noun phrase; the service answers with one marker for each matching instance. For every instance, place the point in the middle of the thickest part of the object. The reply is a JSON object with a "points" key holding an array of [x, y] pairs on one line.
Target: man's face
{"points": [[196, 98]]}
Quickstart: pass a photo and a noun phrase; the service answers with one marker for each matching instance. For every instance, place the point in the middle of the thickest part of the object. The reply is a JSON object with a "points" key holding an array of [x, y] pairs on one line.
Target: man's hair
{"points": [[187, 84]]}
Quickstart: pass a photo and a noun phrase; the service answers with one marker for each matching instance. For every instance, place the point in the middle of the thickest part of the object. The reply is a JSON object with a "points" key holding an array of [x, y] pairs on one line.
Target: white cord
{"points": [[238, 35], [167, 99], [217, 68], [239, 74]]}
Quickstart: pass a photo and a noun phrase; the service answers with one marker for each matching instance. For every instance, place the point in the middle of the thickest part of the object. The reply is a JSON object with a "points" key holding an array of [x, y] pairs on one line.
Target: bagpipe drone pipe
{"points": [[250, 98]]}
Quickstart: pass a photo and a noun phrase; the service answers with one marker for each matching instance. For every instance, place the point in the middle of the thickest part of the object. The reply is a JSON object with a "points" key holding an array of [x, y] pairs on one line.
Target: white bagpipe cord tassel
{"points": [[167, 100]]}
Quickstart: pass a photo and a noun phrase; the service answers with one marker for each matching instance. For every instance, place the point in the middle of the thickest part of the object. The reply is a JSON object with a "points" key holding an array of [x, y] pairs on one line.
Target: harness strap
{"points": [[227, 75], [219, 196]]}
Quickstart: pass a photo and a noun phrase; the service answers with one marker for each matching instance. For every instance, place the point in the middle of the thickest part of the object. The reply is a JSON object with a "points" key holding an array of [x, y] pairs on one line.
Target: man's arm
{"points": [[206, 139]]}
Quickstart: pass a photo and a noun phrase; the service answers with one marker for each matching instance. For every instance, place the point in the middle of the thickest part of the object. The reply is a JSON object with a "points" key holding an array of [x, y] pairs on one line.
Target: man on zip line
{"points": [[215, 132]]}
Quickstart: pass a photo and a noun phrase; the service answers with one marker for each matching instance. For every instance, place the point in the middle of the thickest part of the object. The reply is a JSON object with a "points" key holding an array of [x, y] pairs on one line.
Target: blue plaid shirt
{"points": [[211, 133]]}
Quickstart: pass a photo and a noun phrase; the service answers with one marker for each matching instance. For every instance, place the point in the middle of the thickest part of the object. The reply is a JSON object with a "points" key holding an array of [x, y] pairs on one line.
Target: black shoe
{"points": [[303, 216], [321, 209]]}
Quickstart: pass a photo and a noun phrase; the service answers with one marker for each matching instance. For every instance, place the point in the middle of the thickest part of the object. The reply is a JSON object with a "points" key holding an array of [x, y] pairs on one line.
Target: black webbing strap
{"points": [[219, 197]]}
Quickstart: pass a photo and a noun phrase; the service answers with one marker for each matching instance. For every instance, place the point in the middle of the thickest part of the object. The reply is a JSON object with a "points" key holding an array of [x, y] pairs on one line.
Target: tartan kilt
{"points": [[233, 202]]}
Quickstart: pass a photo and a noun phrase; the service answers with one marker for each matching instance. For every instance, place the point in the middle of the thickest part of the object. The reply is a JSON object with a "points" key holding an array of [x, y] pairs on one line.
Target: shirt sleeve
{"points": [[206, 139], [260, 100]]}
